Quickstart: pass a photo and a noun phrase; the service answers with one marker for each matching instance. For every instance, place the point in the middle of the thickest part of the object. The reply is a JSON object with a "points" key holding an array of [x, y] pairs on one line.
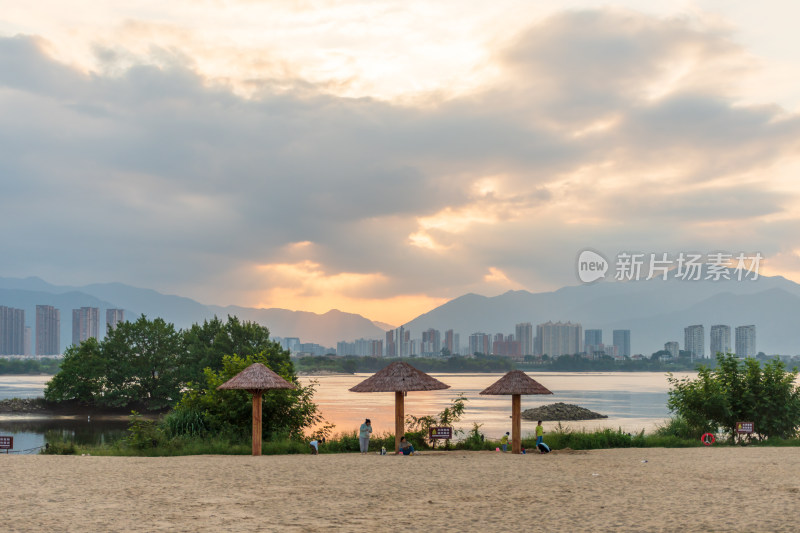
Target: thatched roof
{"points": [[256, 377], [516, 382], [399, 376]]}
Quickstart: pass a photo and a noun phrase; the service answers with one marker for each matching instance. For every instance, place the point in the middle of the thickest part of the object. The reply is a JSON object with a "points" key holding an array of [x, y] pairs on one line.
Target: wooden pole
{"points": [[399, 416], [516, 424], [257, 422]]}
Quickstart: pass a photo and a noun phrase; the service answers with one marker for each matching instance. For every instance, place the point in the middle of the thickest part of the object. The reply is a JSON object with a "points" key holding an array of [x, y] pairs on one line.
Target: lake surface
{"points": [[633, 401]]}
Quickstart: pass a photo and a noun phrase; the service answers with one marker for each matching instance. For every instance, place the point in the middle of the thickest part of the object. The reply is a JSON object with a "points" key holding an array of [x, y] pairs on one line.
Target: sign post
{"points": [[6, 443], [745, 428], [445, 433]]}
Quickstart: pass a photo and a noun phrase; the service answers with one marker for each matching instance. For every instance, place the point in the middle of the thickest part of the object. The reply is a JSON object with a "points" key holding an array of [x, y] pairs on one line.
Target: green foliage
{"points": [[59, 447], [137, 364], [678, 427], [738, 391], [284, 411], [562, 437], [449, 416], [206, 345], [82, 375], [142, 433], [145, 364], [183, 422]]}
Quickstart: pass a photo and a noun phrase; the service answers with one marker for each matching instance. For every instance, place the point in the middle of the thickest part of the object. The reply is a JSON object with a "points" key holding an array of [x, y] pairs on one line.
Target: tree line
{"points": [[148, 365]]}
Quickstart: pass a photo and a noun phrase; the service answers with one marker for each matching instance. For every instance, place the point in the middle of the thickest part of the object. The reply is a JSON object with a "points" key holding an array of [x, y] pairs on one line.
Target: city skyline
{"points": [[553, 339], [383, 159]]}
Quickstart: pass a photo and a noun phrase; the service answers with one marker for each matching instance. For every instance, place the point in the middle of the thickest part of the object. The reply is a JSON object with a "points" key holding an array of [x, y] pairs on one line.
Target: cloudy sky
{"points": [[385, 157]]}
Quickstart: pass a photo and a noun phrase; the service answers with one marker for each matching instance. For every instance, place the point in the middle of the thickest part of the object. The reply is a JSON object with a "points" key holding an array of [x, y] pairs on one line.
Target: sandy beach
{"points": [[715, 489]]}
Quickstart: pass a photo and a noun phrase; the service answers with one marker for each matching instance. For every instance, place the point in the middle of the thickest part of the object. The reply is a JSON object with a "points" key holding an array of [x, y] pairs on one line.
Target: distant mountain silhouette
{"points": [[655, 311], [326, 329]]}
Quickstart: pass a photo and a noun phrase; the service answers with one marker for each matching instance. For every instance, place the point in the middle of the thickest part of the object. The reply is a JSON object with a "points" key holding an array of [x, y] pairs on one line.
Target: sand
{"points": [[714, 489]]}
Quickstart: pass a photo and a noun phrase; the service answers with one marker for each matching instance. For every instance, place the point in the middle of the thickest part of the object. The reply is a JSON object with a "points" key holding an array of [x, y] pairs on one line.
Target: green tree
{"points": [[143, 364], [81, 377], [738, 391], [284, 411], [207, 344]]}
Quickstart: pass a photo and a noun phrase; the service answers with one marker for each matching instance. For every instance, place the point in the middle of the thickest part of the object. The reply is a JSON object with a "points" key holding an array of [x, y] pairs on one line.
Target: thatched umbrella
{"points": [[399, 378], [255, 379], [516, 383]]}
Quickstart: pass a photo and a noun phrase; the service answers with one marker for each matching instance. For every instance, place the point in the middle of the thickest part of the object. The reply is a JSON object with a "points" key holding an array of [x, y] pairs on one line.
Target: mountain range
{"points": [[656, 311], [325, 329]]}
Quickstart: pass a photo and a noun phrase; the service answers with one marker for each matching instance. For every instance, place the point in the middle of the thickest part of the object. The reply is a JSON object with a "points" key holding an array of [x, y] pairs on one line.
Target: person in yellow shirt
{"points": [[539, 433], [504, 441]]}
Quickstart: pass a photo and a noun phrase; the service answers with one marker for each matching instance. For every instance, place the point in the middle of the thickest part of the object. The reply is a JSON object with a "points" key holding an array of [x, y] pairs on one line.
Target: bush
{"points": [[143, 433], [739, 391], [59, 448]]}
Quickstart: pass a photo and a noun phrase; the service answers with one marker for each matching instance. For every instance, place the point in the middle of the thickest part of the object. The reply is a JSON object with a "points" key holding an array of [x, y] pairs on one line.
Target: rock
{"points": [[560, 411]]}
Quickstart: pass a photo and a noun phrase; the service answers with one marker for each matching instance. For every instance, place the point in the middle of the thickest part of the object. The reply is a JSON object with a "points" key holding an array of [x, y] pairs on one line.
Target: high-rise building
{"points": [[402, 342], [345, 348], [28, 340], [85, 324], [593, 341], [391, 347], [114, 317], [720, 337], [506, 346], [746, 341], [48, 330], [555, 339], [450, 342], [12, 331], [593, 336], [524, 335], [431, 343], [291, 344], [673, 348], [694, 339], [479, 343], [622, 340]]}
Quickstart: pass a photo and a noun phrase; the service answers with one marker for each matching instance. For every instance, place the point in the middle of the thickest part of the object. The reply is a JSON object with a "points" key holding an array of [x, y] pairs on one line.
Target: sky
{"points": [[385, 157]]}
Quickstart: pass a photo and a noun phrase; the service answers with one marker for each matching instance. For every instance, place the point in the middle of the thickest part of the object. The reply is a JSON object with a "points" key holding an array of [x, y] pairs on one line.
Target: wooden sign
{"points": [[6, 443]]}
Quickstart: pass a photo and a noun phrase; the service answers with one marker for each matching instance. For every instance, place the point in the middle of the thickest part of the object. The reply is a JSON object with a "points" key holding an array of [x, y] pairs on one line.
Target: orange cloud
{"points": [[307, 286]]}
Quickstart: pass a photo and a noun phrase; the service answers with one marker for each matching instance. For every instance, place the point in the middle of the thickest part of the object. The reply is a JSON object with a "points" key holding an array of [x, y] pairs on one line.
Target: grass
{"points": [[149, 440]]}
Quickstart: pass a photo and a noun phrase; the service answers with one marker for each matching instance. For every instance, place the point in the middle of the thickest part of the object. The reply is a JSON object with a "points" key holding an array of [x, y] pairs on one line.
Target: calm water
{"points": [[632, 401], [31, 431]]}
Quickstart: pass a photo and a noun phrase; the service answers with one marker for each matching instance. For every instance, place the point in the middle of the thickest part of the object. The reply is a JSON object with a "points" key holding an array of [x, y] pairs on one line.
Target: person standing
{"points": [[539, 433], [504, 441], [364, 433]]}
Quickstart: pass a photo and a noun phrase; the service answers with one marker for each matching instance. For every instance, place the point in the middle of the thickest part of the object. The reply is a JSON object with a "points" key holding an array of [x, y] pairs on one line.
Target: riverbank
{"points": [[604, 490], [41, 408]]}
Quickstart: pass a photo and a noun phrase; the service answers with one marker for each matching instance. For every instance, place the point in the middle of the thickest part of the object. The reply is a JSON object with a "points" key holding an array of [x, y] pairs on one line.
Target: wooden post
{"points": [[399, 416], [516, 424], [257, 422]]}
